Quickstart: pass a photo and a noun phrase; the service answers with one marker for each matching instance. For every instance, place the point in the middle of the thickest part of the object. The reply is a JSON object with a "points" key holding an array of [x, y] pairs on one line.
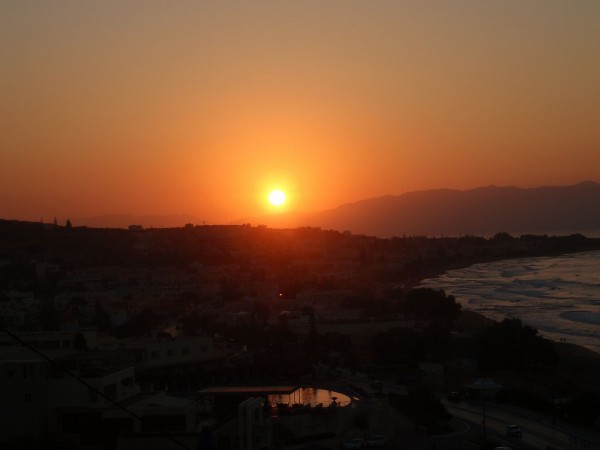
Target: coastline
{"points": [[436, 272], [578, 367], [543, 292]]}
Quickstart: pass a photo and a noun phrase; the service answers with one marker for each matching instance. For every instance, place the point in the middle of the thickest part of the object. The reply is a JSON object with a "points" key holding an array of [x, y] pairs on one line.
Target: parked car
{"points": [[514, 430], [315, 446], [352, 444], [376, 385], [454, 396], [377, 440]]}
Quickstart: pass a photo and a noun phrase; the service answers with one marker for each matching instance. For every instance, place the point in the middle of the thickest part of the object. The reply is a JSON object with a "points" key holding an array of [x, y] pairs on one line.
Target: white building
{"points": [[51, 340], [153, 353], [38, 398]]}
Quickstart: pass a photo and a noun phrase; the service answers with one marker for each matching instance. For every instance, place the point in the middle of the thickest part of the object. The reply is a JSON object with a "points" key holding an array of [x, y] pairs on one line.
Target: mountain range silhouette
{"points": [[446, 212], [440, 212]]}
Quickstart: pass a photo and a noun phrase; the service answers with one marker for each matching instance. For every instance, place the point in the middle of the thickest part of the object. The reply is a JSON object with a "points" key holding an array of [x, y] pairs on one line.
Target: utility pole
{"points": [[483, 411]]}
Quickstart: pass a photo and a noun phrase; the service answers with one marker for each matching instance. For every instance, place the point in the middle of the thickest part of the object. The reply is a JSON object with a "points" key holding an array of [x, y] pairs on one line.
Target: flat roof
{"points": [[249, 390]]}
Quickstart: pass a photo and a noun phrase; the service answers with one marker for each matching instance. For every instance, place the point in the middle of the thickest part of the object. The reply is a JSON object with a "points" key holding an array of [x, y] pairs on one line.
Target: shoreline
{"points": [[575, 316], [434, 273]]}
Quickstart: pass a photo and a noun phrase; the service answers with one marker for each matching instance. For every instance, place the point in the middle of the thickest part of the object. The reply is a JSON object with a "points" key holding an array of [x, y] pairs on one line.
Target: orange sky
{"points": [[201, 108]]}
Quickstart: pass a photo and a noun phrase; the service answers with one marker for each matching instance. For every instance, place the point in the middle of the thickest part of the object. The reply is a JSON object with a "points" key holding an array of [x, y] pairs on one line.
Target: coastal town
{"points": [[246, 337]]}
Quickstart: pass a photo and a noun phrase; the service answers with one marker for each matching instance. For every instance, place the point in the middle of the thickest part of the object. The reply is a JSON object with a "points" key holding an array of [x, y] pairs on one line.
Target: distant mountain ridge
{"points": [[445, 212]]}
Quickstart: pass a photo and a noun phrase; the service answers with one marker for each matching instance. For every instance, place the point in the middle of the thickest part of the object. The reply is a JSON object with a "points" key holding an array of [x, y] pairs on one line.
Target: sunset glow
{"points": [[200, 108]]}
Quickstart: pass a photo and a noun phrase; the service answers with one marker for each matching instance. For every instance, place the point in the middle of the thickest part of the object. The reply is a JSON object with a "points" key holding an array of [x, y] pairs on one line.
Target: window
{"points": [[185, 351], [27, 397], [170, 352], [154, 354]]}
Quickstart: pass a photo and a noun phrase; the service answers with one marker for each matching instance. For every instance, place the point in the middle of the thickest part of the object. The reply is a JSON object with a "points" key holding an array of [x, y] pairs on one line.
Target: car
{"points": [[315, 446], [376, 385], [377, 440], [454, 396], [352, 444], [514, 430]]}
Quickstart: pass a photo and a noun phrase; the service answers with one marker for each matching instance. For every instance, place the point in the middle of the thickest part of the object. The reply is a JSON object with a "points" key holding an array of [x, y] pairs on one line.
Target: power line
{"points": [[85, 383]]}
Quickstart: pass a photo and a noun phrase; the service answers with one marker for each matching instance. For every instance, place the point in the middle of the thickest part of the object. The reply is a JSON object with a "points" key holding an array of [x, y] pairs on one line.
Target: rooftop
{"points": [[249, 390]]}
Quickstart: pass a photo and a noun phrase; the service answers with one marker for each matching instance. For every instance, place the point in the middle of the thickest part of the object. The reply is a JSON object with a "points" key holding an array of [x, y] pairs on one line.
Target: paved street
{"points": [[539, 432]]}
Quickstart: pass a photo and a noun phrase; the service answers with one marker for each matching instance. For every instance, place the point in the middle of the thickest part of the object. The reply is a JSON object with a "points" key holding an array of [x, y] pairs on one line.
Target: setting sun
{"points": [[277, 197]]}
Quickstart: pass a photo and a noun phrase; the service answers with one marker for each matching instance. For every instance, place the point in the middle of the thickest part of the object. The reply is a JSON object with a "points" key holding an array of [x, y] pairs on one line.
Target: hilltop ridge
{"points": [[446, 212]]}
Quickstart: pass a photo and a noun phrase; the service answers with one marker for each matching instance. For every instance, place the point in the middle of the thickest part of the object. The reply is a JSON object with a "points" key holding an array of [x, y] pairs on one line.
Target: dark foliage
{"points": [[79, 342], [142, 324], [379, 309], [512, 345], [407, 347], [195, 324], [355, 302], [49, 316], [101, 318], [430, 304], [524, 398], [584, 408], [423, 408]]}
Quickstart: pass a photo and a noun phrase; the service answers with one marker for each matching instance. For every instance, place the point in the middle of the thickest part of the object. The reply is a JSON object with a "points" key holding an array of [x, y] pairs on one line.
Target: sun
{"points": [[277, 197]]}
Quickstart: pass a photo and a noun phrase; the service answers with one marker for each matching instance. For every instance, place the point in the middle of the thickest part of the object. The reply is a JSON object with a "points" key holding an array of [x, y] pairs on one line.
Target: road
{"points": [[538, 431]]}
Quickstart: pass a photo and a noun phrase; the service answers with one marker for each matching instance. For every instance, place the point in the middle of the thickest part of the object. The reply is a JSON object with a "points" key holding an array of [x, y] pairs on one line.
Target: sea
{"points": [[559, 295]]}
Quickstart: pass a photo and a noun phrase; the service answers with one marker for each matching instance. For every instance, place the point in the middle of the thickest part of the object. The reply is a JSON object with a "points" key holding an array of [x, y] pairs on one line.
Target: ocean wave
{"points": [[557, 295], [582, 316]]}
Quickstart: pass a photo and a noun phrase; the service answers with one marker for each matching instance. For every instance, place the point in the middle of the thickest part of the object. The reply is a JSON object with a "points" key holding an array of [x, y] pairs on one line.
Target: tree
{"points": [[361, 421], [512, 345], [584, 408], [230, 291], [423, 408], [261, 312], [312, 323], [79, 342], [502, 237], [101, 317], [430, 304], [49, 315], [193, 324], [76, 303], [407, 344], [378, 309]]}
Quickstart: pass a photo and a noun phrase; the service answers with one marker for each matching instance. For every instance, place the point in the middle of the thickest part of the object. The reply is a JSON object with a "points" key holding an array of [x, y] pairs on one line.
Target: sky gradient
{"points": [[202, 108]]}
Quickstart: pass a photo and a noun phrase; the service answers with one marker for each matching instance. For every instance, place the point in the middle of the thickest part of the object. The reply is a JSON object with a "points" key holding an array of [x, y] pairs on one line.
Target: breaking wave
{"points": [[560, 296]]}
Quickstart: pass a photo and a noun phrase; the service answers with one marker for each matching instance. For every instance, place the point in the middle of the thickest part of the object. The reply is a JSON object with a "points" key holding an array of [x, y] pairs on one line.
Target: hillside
{"points": [[445, 212]]}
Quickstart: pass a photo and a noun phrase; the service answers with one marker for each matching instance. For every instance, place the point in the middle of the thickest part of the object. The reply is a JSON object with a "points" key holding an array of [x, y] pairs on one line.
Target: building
{"points": [[84, 398], [252, 417]]}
